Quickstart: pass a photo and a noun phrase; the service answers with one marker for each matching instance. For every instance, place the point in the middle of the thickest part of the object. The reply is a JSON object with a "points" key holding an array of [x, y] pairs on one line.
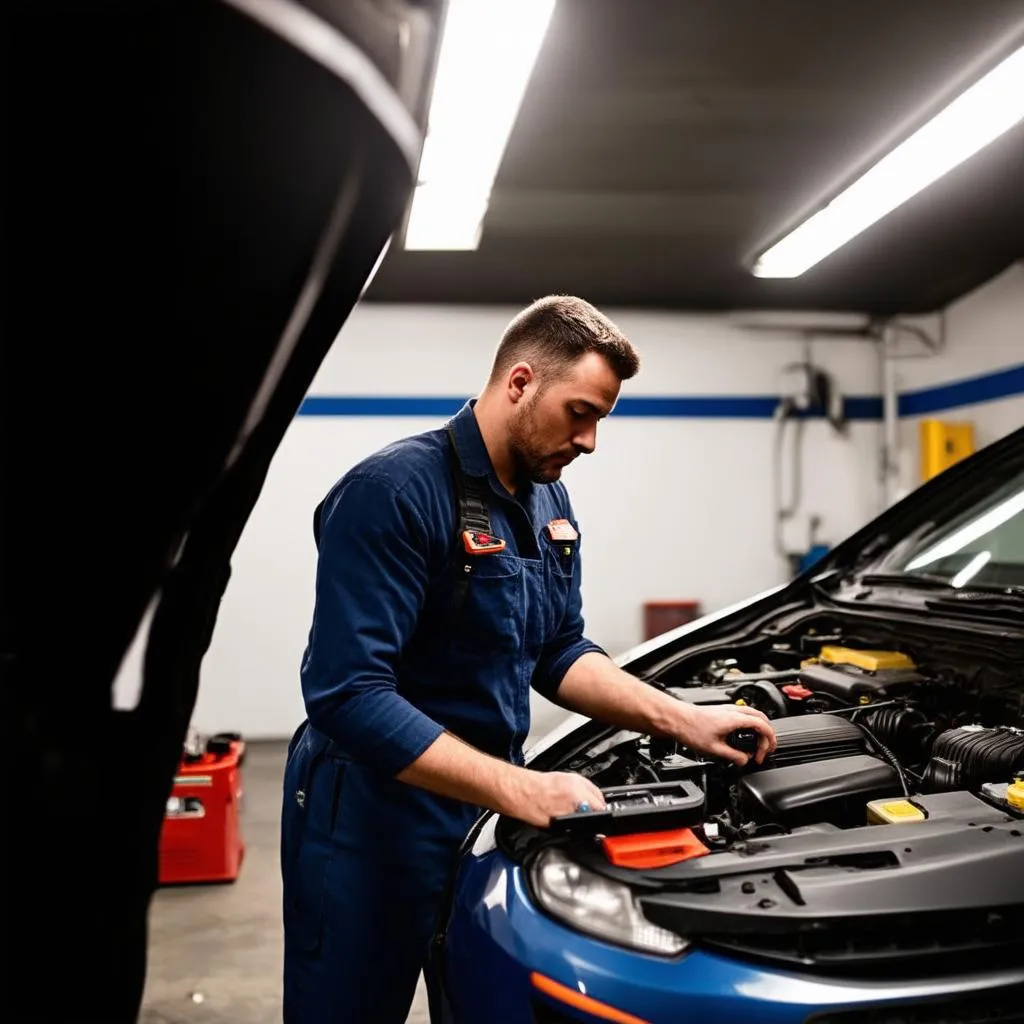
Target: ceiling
{"points": [[662, 144]]}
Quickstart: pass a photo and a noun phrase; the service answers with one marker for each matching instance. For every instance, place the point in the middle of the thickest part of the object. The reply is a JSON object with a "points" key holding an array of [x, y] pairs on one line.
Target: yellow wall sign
{"points": [[943, 445]]}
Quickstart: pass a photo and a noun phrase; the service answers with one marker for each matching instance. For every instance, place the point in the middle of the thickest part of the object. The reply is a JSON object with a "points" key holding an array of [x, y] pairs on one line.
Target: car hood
{"points": [[202, 191]]}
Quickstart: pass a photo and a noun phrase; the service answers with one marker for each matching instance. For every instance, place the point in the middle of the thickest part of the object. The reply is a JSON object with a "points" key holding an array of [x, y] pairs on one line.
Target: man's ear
{"points": [[520, 377]]}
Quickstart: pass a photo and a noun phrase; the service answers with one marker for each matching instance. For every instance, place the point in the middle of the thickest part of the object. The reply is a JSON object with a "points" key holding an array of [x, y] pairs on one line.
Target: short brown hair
{"points": [[555, 332]]}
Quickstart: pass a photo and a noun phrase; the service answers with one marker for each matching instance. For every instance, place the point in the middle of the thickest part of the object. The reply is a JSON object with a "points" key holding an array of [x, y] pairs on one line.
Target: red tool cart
{"points": [[201, 839]]}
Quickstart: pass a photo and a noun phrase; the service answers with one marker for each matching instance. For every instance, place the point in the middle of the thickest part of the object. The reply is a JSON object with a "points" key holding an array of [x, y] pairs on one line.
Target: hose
{"points": [[886, 753], [783, 511]]}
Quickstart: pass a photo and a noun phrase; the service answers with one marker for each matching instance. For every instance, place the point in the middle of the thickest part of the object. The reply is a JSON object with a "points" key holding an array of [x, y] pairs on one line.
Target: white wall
{"points": [[705, 483], [984, 333]]}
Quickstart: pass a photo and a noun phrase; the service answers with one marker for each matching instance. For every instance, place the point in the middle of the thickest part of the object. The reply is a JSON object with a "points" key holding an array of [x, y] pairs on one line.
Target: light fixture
{"points": [[978, 116], [487, 54]]}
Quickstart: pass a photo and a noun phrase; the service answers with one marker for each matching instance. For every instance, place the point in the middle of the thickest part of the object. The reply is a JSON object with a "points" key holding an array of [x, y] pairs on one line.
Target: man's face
{"points": [[556, 421]]}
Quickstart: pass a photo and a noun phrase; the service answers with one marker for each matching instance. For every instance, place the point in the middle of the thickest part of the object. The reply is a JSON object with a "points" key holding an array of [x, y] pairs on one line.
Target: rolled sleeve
{"points": [[370, 585], [568, 645]]}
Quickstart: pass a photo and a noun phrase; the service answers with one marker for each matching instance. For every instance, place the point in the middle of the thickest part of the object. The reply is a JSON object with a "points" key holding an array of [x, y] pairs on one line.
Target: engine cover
{"points": [[835, 790], [848, 684], [807, 738]]}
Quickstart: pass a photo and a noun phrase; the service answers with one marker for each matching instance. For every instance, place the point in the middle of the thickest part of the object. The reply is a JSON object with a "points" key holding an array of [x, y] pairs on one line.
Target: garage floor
{"points": [[215, 951], [222, 944]]}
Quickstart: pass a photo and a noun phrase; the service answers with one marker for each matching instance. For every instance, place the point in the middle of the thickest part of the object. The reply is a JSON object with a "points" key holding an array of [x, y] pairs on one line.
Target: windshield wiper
{"points": [[981, 593], [983, 607], [1011, 601], [922, 581]]}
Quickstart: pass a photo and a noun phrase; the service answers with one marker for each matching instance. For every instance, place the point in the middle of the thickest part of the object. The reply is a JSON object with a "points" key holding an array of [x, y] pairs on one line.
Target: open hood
{"points": [[201, 189]]}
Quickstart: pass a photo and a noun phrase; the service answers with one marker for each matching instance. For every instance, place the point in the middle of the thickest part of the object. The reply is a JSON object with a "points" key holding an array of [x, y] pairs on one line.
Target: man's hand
{"points": [[705, 729], [595, 686], [540, 796], [455, 769]]}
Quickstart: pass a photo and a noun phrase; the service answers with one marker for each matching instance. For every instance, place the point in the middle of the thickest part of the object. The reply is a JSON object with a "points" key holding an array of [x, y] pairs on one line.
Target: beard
{"points": [[534, 460]]}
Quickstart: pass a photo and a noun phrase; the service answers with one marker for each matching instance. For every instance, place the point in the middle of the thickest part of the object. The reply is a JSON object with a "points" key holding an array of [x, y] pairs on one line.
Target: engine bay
{"points": [[881, 837], [865, 736]]}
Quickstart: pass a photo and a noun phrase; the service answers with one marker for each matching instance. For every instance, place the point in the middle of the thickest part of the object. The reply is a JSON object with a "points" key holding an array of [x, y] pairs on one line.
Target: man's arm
{"points": [[595, 686], [578, 675], [455, 769], [372, 575]]}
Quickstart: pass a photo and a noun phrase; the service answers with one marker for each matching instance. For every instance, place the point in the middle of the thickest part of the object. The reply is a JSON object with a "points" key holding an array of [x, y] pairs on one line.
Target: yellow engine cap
{"points": [[869, 661], [1015, 794], [893, 812]]}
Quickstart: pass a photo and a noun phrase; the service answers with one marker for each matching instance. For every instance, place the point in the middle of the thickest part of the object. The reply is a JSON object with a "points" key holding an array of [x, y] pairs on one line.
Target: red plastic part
{"points": [[481, 543], [653, 849], [797, 692], [205, 844]]}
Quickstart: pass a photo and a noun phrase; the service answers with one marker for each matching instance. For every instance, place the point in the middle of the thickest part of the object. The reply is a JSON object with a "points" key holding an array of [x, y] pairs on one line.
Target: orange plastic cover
{"points": [[653, 849], [481, 543]]}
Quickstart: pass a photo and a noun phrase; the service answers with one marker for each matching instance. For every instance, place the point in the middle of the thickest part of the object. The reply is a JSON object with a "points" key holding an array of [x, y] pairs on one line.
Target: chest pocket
{"points": [[561, 564], [562, 556], [491, 613]]}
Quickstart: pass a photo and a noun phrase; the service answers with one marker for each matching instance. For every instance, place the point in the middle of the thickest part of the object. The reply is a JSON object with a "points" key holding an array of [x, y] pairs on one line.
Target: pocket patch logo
{"points": [[562, 530]]}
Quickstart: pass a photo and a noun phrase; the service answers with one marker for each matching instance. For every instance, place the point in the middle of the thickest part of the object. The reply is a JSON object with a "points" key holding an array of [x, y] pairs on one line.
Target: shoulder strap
{"points": [[470, 493], [472, 517]]}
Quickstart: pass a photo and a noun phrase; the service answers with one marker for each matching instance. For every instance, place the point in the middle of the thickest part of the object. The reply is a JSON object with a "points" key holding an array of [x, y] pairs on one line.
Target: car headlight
{"points": [[598, 906]]}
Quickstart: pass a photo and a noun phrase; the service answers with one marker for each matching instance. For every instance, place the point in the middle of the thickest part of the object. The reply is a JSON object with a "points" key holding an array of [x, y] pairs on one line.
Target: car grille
{"points": [[999, 1006], [915, 945]]}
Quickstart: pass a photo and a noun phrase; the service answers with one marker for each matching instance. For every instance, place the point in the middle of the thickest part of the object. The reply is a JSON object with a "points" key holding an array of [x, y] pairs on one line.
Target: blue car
{"points": [[871, 870]]}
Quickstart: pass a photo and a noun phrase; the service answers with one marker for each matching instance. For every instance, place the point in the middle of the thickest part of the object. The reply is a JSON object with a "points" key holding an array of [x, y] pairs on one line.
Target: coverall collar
{"points": [[472, 451], [475, 461]]}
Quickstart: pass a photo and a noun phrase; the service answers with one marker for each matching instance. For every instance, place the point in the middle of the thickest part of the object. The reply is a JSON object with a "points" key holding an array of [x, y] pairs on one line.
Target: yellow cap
{"points": [[893, 812], [1015, 794]]}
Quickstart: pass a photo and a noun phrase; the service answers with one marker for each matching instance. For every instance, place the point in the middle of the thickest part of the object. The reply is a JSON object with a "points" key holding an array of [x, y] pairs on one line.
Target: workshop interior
{"points": [[282, 234]]}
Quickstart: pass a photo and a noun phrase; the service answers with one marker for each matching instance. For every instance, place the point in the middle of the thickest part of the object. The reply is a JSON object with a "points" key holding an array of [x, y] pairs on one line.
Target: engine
{"points": [[863, 736]]}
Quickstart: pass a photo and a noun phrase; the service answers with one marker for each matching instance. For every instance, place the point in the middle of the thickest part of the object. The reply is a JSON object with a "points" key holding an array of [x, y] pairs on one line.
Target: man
{"points": [[423, 648]]}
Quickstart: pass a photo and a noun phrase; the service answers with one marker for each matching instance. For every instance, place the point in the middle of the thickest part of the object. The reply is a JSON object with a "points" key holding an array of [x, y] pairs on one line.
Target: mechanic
{"points": [[421, 654]]}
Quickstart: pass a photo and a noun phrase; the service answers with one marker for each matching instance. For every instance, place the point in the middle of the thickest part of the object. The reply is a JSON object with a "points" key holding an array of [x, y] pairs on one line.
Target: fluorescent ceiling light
{"points": [[977, 117], [994, 517], [487, 55]]}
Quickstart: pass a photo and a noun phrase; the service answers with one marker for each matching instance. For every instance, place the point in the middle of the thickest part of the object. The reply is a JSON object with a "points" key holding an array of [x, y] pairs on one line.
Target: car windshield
{"points": [[981, 547]]}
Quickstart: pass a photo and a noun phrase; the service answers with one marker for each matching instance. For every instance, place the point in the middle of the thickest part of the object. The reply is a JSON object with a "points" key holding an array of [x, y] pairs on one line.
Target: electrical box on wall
{"points": [[944, 444]]}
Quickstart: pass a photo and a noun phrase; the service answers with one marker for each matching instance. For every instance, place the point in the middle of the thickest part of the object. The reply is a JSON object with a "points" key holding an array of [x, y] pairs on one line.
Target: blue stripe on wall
{"points": [[992, 386], [742, 407], [371, 405], [988, 388]]}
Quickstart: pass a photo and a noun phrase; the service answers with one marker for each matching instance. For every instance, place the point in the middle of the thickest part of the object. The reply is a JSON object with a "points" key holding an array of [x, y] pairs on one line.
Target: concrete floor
{"points": [[215, 951]]}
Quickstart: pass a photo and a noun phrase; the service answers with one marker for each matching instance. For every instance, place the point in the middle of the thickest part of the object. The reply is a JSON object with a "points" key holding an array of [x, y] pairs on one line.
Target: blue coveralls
{"points": [[388, 667]]}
